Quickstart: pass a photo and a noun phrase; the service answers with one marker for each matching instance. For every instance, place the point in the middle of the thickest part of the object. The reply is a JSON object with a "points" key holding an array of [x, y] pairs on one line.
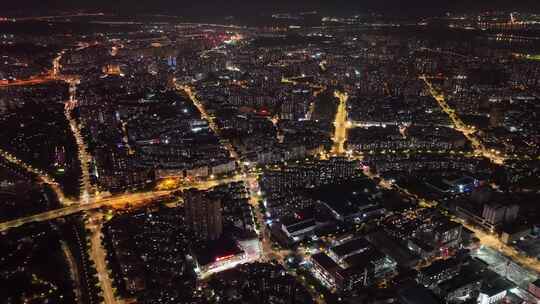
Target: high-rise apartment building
{"points": [[203, 214]]}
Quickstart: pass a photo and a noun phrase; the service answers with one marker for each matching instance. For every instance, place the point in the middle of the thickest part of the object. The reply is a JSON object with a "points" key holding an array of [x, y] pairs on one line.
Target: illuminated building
{"points": [[59, 156], [203, 214], [497, 213], [494, 290], [438, 272], [448, 235], [216, 255], [112, 69], [308, 173], [351, 264], [223, 254], [513, 233], [463, 287], [258, 283], [420, 247], [298, 226]]}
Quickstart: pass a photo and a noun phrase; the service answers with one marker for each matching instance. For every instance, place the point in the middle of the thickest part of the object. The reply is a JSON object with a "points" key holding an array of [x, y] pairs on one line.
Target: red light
{"points": [[224, 257]]}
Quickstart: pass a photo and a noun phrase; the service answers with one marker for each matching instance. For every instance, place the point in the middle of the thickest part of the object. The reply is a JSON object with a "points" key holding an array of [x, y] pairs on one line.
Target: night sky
{"points": [[239, 7]]}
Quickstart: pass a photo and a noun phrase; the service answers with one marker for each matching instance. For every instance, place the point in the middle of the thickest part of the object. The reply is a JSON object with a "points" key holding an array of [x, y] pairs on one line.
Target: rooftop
{"points": [[346, 198], [216, 250], [417, 295], [364, 258], [439, 266], [325, 261], [350, 247]]}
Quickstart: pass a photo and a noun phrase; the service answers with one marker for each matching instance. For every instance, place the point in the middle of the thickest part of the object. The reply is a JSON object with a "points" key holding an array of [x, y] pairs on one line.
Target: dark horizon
{"points": [[241, 7]]}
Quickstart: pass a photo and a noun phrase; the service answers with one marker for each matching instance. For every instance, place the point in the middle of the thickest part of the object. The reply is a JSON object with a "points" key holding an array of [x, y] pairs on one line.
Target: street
{"points": [[459, 125], [340, 124]]}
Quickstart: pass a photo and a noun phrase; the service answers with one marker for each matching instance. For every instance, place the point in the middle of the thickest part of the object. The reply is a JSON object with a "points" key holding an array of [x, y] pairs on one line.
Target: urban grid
{"points": [[280, 156]]}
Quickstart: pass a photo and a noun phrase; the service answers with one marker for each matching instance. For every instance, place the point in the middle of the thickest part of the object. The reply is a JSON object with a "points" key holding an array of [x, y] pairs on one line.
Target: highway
{"points": [[115, 202], [36, 80], [28, 82], [124, 200]]}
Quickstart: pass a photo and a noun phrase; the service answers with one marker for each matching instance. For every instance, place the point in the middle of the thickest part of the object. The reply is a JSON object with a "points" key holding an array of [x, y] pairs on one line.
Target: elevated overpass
{"points": [[121, 201]]}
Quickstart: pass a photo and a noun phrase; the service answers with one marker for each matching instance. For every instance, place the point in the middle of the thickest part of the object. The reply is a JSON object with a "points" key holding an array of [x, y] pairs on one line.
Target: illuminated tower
{"points": [[203, 214]]}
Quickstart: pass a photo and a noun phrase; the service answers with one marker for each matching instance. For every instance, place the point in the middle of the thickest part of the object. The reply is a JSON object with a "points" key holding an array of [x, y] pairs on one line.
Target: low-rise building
{"points": [[352, 264]]}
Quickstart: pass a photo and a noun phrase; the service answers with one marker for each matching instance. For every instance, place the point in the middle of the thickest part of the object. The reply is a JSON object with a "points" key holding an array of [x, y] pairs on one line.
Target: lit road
{"points": [[88, 202], [28, 82], [98, 255], [491, 241], [114, 202], [122, 200], [82, 149], [52, 75], [73, 270], [96, 251], [250, 180], [36, 80], [317, 90], [486, 239], [41, 176], [211, 122], [268, 252], [459, 125], [55, 71], [340, 124]]}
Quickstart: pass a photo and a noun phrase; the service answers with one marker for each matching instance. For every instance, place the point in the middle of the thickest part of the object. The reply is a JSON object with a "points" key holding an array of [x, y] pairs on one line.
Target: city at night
{"points": [[270, 152]]}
